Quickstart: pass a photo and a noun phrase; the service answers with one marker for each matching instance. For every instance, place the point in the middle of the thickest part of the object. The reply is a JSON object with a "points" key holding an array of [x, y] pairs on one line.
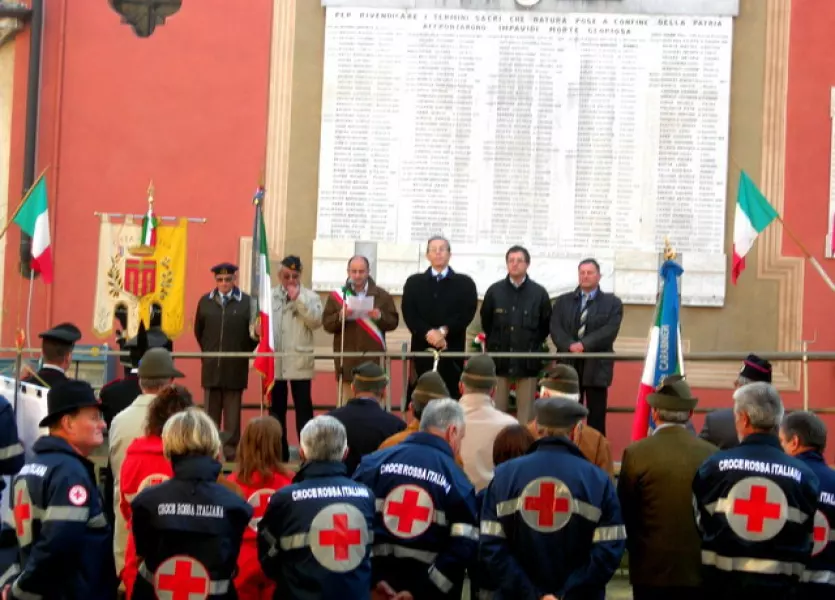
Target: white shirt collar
{"points": [[361, 292], [53, 367], [444, 273], [665, 425]]}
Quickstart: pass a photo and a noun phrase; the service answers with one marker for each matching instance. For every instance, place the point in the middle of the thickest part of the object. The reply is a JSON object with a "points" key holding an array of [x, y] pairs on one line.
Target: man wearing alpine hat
{"points": [[65, 541], [655, 494], [56, 348]]}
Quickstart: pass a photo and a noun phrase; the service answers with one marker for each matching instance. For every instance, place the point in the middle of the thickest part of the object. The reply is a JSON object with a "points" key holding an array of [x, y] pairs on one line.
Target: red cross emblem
{"points": [[259, 500], [339, 537], [23, 513], [155, 479], [820, 533], [545, 504], [408, 511], [758, 509], [181, 578]]}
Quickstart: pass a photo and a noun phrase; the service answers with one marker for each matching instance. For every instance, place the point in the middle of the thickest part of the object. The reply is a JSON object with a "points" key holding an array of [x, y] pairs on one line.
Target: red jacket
{"points": [[144, 466], [251, 583]]}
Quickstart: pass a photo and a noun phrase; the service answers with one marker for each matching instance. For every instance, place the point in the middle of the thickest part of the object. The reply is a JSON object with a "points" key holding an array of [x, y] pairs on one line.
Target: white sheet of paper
{"points": [[360, 306]]}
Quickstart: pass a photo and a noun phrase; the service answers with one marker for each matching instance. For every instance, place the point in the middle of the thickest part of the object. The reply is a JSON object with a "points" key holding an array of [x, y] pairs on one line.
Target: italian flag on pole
{"points": [[149, 228], [664, 355], [33, 219], [753, 215], [262, 290]]}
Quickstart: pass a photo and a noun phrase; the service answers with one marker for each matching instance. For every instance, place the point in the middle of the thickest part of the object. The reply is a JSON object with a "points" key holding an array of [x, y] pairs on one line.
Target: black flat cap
{"points": [[294, 263], [66, 333], [559, 412], [225, 269], [66, 397]]}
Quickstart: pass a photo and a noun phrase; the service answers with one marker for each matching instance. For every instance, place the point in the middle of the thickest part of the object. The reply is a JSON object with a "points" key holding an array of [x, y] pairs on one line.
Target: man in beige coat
{"points": [[483, 421], [156, 372], [297, 313]]}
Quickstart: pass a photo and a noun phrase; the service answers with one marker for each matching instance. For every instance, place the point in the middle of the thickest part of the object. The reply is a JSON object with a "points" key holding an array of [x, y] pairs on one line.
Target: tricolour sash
{"points": [[365, 323]]}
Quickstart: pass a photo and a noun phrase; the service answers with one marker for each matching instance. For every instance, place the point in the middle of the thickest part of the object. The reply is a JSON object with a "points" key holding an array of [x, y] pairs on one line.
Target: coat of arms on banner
{"points": [[136, 274]]}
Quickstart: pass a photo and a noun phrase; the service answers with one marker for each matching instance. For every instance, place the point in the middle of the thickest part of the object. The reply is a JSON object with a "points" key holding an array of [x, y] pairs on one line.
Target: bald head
{"points": [[358, 271]]}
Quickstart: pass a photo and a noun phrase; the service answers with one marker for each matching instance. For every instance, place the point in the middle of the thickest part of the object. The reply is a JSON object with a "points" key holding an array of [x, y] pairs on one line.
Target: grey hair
{"points": [[807, 427], [153, 385], [741, 380], [761, 402], [440, 414], [673, 416], [324, 438], [438, 238]]}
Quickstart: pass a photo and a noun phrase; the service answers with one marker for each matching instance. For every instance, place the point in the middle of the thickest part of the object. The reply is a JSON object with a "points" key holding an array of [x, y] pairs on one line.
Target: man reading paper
{"points": [[369, 313]]}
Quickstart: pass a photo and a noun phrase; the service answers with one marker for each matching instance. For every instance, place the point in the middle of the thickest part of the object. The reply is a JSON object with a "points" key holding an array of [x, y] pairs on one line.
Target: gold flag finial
{"points": [[669, 251], [151, 192]]}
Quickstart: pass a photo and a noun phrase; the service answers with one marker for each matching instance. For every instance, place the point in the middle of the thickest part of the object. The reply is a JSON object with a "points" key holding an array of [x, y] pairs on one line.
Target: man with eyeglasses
{"points": [[297, 313], [225, 322]]}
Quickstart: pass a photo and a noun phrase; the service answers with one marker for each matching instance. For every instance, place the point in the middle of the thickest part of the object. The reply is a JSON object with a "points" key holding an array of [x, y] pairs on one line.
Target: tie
{"points": [[439, 276], [584, 313], [224, 300]]}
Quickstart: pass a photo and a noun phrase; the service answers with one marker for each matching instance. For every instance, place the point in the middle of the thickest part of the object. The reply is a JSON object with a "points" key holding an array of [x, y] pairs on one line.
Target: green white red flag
{"points": [[262, 292], [33, 219], [753, 215], [149, 228]]}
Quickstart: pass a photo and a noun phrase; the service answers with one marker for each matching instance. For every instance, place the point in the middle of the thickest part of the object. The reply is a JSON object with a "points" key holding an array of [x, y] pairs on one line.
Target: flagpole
{"points": [[29, 303], [22, 202], [808, 254]]}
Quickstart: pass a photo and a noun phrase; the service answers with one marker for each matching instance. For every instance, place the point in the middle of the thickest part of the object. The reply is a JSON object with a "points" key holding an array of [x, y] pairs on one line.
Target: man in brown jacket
{"points": [[562, 381], [363, 333], [656, 499]]}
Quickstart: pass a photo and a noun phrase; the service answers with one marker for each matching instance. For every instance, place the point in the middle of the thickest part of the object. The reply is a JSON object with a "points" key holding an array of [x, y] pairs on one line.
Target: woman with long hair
{"points": [[145, 465], [261, 472]]}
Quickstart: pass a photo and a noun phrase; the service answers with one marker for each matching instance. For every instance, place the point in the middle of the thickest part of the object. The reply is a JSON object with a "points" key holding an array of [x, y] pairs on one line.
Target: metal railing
{"points": [[405, 355]]}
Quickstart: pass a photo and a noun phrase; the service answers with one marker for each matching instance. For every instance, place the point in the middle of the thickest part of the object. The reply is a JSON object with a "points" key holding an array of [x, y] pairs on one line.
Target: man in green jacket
{"points": [[655, 495]]}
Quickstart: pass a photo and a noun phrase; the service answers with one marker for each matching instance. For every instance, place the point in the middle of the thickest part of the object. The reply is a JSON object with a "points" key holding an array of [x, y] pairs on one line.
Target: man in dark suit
{"points": [[368, 425], [655, 496], [438, 305], [118, 394], [56, 348], [719, 428], [588, 320]]}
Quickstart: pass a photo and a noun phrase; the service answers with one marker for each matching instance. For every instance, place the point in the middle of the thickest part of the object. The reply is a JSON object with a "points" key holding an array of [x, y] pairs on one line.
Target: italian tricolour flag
{"points": [[262, 290], [753, 215], [149, 228], [33, 219], [664, 355]]}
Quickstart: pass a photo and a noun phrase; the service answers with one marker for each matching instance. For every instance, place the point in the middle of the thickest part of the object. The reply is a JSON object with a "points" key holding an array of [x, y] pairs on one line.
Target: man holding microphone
{"points": [[360, 332]]}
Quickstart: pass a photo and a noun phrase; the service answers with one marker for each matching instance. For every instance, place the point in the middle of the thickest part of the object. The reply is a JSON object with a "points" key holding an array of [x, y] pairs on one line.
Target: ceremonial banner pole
{"points": [[342, 347]]}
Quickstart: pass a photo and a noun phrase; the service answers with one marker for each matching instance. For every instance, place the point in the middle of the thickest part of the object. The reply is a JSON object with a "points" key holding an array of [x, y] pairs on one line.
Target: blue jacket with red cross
{"points": [[819, 576], [755, 508], [66, 544], [315, 537], [426, 529], [551, 524]]}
